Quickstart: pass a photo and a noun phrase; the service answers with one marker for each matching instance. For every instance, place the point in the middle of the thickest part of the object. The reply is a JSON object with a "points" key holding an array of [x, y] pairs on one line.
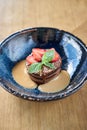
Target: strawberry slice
{"points": [[39, 51], [56, 56], [37, 56], [30, 59]]}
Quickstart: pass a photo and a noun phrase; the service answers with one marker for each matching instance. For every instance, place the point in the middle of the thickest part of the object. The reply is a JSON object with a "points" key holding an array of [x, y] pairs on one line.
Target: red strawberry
{"points": [[39, 51], [37, 56], [56, 55], [30, 59]]}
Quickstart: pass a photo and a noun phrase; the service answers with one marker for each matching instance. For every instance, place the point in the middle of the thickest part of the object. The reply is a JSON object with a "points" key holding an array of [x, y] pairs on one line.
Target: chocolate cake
{"points": [[46, 73]]}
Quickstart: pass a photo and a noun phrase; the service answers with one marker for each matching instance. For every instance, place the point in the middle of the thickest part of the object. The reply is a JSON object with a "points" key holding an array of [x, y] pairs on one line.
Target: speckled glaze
{"points": [[17, 46]]}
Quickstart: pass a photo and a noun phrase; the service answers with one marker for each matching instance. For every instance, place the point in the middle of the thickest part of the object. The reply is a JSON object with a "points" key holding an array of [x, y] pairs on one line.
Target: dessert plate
{"points": [[19, 45]]}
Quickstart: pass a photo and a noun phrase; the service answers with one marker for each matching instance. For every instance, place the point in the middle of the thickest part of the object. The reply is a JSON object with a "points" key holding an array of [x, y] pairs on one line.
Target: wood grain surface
{"points": [[66, 114]]}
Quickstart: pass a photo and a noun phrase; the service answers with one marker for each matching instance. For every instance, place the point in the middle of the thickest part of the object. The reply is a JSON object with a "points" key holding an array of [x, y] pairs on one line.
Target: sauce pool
{"points": [[57, 84], [21, 76]]}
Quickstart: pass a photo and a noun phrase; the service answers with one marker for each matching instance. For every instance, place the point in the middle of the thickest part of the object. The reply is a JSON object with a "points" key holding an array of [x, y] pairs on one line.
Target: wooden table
{"points": [[67, 114]]}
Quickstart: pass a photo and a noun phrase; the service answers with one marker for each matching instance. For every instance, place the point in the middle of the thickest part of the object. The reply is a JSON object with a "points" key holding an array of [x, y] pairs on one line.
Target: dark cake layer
{"points": [[46, 73]]}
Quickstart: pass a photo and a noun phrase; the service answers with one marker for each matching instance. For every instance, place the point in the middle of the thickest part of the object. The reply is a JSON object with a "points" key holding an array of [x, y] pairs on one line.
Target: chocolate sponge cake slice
{"points": [[46, 74], [46, 65]]}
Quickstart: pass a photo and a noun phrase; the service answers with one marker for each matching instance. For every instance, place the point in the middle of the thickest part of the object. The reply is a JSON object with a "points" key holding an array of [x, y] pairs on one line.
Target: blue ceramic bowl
{"points": [[19, 45]]}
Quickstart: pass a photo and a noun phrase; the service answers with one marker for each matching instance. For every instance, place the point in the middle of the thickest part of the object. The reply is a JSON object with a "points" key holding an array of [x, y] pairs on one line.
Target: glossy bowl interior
{"points": [[19, 45]]}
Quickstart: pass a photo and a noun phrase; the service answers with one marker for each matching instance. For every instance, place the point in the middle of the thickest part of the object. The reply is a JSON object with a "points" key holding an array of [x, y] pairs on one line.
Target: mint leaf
{"points": [[48, 56], [50, 65], [35, 67]]}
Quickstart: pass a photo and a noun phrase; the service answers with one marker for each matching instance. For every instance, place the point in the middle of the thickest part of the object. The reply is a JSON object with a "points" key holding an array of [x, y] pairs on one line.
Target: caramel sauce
{"points": [[57, 84], [21, 76]]}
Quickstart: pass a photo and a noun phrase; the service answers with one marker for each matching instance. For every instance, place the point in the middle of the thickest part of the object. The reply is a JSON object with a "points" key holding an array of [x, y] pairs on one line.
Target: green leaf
{"points": [[50, 65], [35, 67], [48, 56]]}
